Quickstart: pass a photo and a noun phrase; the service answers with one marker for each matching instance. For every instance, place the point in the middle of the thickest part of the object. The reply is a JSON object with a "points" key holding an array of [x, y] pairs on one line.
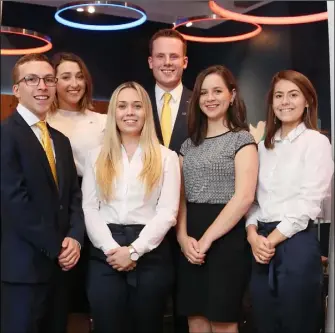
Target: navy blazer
{"points": [[35, 214], [179, 133]]}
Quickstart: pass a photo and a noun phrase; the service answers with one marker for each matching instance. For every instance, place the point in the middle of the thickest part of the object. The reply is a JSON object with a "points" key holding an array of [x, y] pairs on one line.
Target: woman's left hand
{"points": [[119, 259]]}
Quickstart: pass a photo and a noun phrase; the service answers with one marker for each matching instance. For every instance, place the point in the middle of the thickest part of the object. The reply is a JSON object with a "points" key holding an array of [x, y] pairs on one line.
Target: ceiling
{"points": [[167, 11]]}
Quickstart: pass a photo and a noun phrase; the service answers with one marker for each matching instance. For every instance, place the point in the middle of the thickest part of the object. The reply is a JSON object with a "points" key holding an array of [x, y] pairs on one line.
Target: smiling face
{"points": [[167, 62], [130, 113], [71, 85], [288, 102], [37, 99], [214, 97]]}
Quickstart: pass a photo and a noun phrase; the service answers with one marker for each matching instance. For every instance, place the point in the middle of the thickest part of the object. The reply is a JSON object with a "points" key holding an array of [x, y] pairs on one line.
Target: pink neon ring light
{"points": [[215, 39], [28, 33], [215, 8]]}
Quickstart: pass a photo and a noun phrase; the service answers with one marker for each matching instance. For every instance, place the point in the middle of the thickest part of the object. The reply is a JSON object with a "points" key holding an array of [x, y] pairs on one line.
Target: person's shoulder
{"points": [[244, 134], [99, 118], [316, 137], [168, 153]]}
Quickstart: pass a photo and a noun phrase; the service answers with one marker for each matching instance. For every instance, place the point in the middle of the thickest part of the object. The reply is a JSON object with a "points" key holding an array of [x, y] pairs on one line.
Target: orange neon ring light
{"points": [[28, 33], [215, 39], [266, 19]]}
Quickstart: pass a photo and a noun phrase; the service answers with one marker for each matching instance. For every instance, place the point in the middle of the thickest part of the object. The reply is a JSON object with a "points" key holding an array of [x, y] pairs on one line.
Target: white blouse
{"points": [[293, 180], [84, 130], [158, 211]]}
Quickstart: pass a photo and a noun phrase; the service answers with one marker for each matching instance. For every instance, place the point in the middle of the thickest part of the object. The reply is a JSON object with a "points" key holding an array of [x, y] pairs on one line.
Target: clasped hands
{"points": [[262, 249], [119, 259], [70, 253], [195, 251]]}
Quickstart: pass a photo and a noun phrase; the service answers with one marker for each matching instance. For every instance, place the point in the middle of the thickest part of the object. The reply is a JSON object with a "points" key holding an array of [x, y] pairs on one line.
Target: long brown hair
{"points": [[86, 101], [310, 115], [236, 113]]}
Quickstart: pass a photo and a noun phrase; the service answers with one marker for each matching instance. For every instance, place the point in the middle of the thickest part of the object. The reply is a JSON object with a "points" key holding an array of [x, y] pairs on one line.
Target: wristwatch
{"points": [[133, 254]]}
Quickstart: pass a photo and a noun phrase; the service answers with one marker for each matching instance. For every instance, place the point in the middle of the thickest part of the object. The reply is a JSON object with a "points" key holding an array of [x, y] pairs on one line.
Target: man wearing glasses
{"points": [[42, 219]]}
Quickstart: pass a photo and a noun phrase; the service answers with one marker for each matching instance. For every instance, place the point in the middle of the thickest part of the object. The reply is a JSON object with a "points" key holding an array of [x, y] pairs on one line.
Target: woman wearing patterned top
{"points": [[73, 115], [295, 172], [219, 166]]}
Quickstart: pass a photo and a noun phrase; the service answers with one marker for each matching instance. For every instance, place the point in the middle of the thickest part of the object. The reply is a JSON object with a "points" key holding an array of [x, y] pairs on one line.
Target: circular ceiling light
{"points": [[266, 19], [187, 21], [27, 33], [118, 4]]}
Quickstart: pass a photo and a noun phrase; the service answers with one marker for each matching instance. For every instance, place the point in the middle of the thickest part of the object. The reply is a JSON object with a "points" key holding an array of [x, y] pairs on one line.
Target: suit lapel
{"points": [[155, 114], [59, 159], [33, 146], [181, 121]]}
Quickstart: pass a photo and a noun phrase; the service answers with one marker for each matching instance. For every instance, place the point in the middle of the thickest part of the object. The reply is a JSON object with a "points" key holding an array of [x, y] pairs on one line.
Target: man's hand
{"points": [[70, 254], [119, 259]]}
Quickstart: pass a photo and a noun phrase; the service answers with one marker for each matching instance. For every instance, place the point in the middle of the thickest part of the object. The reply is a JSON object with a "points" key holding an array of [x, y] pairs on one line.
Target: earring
{"points": [[275, 120], [231, 103]]}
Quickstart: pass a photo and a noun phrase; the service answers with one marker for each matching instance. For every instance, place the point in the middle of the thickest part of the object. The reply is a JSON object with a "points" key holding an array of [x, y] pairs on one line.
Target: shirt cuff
{"points": [[288, 228], [139, 246], [107, 248], [251, 222], [79, 245]]}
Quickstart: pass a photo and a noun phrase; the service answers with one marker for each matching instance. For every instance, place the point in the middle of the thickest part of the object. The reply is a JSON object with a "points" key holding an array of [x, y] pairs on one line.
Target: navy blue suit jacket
{"points": [[35, 215], [179, 133]]}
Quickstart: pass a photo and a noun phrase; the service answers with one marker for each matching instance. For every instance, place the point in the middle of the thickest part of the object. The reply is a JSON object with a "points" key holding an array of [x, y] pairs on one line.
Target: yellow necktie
{"points": [[166, 121], [46, 143]]}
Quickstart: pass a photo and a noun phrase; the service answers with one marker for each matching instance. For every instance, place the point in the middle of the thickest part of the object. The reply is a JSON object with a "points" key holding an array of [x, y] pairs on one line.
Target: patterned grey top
{"points": [[209, 169]]}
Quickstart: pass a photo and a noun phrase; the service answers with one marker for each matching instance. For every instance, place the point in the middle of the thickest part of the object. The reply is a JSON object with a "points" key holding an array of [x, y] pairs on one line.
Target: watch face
{"points": [[134, 256]]}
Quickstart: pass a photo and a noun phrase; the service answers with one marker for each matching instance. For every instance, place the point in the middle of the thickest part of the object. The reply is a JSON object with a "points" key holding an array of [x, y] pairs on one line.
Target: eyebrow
{"points": [[212, 88], [127, 101], [278, 91], [33, 74], [70, 73]]}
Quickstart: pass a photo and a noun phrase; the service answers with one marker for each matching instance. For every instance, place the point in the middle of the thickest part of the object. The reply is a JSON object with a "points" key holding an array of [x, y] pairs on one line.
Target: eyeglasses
{"points": [[34, 80]]}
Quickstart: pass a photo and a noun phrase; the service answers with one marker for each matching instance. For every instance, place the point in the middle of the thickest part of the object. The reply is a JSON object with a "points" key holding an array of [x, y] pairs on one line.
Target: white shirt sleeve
{"points": [[97, 229], [317, 174], [166, 210], [252, 215]]}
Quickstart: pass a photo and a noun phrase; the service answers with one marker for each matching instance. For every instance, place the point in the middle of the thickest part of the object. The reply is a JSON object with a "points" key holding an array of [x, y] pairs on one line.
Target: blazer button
{"points": [[61, 207]]}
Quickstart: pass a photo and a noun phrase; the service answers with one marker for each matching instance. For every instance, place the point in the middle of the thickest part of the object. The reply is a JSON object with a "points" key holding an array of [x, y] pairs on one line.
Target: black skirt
{"points": [[215, 289]]}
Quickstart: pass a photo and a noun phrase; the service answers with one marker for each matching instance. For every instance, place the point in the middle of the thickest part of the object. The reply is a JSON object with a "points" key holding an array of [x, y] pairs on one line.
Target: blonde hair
{"points": [[109, 160]]}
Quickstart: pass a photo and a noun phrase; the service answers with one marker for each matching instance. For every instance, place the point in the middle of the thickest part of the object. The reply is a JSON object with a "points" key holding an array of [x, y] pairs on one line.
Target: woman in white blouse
{"points": [[296, 168], [131, 189], [72, 114]]}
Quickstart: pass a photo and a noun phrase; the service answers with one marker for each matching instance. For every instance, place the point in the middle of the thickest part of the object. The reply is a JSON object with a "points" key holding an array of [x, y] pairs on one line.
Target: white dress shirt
{"points": [[157, 212], [84, 130], [32, 120], [294, 178], [174, 101]]}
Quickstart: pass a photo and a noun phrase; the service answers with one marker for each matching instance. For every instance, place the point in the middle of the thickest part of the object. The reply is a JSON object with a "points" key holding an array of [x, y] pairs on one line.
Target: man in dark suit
{"points": [[41, 213], [170, 100]]}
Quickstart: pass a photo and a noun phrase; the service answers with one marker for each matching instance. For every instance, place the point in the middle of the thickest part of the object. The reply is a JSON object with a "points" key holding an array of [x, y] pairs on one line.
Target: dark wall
{"points": [[116, 56]]}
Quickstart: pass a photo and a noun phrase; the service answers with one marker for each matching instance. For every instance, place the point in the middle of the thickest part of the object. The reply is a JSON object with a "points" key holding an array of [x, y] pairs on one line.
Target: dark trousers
{"points": [[132, 301], [34, 308], [180, 323], [286, 294]]}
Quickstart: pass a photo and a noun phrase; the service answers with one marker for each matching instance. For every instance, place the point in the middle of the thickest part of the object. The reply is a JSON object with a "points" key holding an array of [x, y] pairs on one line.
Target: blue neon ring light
{"points": [[118, 4]]}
